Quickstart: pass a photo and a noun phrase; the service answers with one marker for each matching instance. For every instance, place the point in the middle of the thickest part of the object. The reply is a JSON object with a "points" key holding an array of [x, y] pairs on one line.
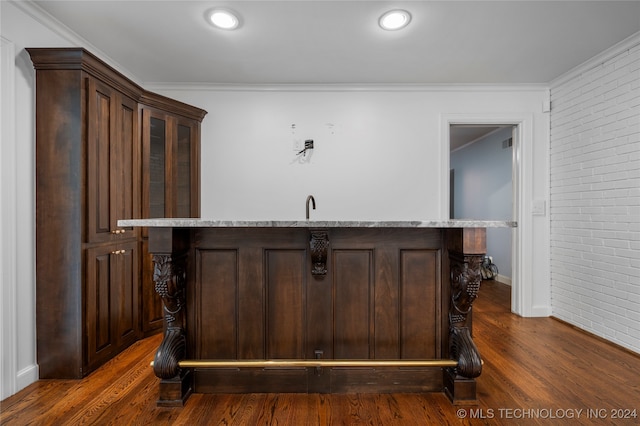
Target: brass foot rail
{"points": [[205, 363]]}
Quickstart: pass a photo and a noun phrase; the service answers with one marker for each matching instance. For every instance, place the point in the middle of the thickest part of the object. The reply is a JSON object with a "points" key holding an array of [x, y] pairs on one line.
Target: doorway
{"points": [[481, 186]]}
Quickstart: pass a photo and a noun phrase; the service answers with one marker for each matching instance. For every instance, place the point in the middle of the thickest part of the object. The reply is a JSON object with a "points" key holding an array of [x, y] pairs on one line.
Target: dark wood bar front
{"points": [[358, 294]]}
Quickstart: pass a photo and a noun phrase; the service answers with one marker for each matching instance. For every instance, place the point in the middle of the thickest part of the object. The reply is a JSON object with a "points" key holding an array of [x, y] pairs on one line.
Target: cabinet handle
{"points": [[119, 252], [118, 231]]}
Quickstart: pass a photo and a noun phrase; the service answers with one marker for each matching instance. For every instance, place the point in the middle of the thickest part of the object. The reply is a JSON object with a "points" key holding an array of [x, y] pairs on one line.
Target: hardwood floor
{"points": [[536, 371]]}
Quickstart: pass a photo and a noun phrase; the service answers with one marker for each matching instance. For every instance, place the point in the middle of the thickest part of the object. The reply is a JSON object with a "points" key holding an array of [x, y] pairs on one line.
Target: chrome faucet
{"points": [[313, 201]]}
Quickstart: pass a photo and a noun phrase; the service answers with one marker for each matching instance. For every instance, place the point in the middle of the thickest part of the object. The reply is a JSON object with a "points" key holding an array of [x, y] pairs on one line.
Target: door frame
{"points": [[522, 183]]}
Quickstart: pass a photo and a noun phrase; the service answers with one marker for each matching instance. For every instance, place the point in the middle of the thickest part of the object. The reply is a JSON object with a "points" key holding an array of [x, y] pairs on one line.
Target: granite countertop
{"points": [[212, 223]]}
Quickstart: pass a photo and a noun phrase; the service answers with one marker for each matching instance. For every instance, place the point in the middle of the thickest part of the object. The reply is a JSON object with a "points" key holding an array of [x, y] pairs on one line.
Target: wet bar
{"points": [[316, 306]]}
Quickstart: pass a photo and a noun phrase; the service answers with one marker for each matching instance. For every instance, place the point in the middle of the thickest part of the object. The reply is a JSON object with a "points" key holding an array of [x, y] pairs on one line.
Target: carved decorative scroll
{"points": [[465, 284], [169, 277], [319, 244]]}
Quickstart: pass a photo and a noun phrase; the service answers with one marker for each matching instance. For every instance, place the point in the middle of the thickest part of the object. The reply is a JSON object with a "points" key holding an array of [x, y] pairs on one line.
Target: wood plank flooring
{"points": [[536, 371]]}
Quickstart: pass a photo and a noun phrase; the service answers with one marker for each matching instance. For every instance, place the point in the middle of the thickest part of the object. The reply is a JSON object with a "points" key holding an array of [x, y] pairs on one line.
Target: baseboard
{"points": [[503, 279], [540, 311], [595, 336], [26, 376]]}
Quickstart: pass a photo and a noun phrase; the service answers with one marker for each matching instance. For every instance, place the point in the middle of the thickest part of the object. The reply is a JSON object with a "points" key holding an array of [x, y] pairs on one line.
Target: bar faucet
{"points": [[313, 201]]}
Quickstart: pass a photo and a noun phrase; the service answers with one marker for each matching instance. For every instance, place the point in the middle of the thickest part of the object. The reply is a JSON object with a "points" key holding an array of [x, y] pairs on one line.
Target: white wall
{"points": [[18, 339], [374, 154], [381, 153], [378, 151], [484, 190], [16, 222], [595, 196]]}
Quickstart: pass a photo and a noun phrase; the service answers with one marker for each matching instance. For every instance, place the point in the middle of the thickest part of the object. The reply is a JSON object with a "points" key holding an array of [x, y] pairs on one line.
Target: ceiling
{"points": [[339, 42]]}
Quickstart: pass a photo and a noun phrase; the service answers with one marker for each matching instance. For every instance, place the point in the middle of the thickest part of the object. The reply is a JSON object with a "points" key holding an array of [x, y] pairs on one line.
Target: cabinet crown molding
{"points": [[78, 58]]}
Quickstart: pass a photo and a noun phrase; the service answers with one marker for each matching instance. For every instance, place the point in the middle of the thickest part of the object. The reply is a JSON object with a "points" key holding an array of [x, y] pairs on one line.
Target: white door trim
{"points": [[522, 243]]}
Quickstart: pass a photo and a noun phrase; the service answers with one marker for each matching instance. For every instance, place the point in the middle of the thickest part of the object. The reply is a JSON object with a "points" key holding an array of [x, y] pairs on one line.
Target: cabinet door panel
{"points": [[124, 293], [155, 154], [100, 268], [286, 291], [100, 128], [125, 170], [418, 280], [352, 304], [218, 294], [112, 299], [112, 162]]}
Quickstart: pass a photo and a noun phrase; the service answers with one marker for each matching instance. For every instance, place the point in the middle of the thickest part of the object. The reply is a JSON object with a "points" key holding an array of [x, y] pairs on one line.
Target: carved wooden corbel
{"points": [[319, 245], [465, 284], [169, 277]]}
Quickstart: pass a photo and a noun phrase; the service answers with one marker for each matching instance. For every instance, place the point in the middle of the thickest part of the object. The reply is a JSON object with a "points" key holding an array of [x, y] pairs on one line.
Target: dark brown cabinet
{"points": [[92, 169]]}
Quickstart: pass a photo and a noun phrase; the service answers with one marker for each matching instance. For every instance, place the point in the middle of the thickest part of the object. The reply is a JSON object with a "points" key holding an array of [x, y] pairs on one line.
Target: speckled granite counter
{"points": [[212, 223]]}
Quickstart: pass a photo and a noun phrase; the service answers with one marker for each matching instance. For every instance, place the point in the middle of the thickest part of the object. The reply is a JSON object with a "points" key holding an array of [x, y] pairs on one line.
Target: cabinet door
{"points": [[124, 294], [112, 158], [156, 161], [111, 300], [125, 160], [101, 125], [99, 304]]}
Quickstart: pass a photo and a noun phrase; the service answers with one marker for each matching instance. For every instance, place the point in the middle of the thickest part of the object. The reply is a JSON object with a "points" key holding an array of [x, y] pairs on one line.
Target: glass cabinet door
{"points": [[157, 166]]}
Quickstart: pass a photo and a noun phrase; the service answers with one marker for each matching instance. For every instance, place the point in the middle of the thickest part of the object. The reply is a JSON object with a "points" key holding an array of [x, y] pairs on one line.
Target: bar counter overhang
{"points": [[316, 306]]}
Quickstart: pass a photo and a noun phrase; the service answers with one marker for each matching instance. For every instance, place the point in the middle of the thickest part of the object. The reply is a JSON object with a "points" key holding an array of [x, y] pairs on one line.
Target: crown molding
{"points": [[214, 87], [47, 20], [615, 50]]}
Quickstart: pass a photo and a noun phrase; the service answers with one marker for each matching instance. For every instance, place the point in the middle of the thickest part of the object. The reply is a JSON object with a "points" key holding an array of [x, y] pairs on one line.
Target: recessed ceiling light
{"points": [[223, 19], [394, 20]]}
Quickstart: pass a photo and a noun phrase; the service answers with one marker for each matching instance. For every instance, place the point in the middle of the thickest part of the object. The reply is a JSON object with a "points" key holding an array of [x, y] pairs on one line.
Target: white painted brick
{"points": [[615, 243], [633, 316], [631, 254], [629, 342], [634, 326], [595, 199], [604, 251]]}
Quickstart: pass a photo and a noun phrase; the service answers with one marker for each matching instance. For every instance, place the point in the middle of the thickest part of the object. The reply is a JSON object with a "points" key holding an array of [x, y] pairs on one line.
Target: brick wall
{"points": [[595, 197]]}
